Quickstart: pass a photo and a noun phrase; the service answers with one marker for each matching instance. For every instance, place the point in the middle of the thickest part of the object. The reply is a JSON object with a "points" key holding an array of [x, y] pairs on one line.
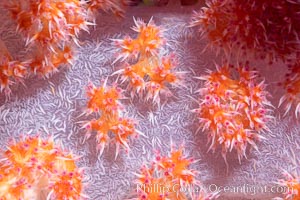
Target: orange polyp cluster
{"points": [[164, 179], [148, 71], [292, 87], [33, 167], [292, 186], [50, 27], [234, 109], [105, 100]]}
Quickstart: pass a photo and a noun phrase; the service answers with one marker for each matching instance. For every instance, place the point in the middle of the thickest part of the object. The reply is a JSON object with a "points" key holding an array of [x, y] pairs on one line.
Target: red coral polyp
{"points": [[146, 70], [34, 167], [233, 109], [263, 28]]}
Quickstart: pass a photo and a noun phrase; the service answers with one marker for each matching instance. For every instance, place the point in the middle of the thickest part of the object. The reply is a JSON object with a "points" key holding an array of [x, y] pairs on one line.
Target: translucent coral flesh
{"points": [[265, 28], [105, 100], [233, 110], [165, 177], [34, 166], [147, 71]]}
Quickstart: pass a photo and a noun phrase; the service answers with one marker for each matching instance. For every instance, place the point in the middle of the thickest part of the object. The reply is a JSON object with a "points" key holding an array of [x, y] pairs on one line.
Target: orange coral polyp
{"points": [[292, 185], [10, 70], [233, 110], [163, 179], [33, 157], [105, 100], [148, 71]]}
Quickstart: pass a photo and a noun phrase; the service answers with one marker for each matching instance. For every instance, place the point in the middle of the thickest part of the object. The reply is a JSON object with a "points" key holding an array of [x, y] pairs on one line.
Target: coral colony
{"points": [[265, 28], [169, 178], [34, 167], [51, 29], [292, 86], [146, 70], [234, 109], [105, 100]]}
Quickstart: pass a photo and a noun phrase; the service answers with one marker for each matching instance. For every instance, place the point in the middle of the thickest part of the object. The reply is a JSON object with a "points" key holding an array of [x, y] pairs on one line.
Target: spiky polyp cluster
{"points": [[292, 88], [169, 178], [33, 167], [105, 100], [234, 109], [147, 70], [261, 27], [50, 27], [10, 70], [292, 186]]}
